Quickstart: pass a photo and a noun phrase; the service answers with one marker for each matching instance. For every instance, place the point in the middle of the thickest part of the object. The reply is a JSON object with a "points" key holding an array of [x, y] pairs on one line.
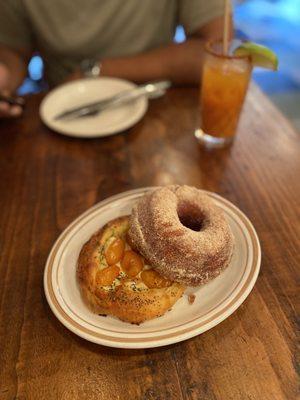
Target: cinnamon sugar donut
{"points": [[182, 233]]}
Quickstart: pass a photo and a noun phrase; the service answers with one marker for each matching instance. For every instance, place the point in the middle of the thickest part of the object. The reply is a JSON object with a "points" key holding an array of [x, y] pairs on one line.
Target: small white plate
{"points": [[214, 301], [77, 93]]}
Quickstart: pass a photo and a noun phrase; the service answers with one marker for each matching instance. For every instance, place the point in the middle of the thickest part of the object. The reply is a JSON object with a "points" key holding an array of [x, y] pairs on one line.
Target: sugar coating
{"points": [[159, 228]]}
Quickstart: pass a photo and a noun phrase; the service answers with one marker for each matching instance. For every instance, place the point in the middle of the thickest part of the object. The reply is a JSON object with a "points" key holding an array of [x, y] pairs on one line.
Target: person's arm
{"points": [[181, 63], [13, 69]]}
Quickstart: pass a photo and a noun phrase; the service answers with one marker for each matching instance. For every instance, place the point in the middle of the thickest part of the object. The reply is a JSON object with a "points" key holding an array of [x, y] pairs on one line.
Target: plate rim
{"points": [[143, 100], [149, 342]]}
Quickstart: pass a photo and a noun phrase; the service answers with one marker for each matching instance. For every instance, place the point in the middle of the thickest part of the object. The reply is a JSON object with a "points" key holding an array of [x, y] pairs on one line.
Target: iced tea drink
{"points": [[225, 80]]}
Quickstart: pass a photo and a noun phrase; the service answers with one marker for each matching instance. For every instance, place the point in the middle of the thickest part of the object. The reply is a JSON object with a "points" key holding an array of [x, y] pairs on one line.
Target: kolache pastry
{"points": [[136, 267], [118, 281], [182, 233]]}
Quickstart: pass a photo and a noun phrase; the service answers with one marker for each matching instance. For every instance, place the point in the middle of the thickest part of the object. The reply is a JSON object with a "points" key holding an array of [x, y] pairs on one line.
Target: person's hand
{"points": [[7, 110]]}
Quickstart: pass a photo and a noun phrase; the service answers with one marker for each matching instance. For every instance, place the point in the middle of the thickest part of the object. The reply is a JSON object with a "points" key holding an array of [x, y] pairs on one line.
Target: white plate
{"points": [[74, 94], [214, 301]]}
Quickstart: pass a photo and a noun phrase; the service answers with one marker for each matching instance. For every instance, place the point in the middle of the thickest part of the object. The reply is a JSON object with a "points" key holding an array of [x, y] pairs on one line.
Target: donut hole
{"points": [[190, 217], [188, 222]]}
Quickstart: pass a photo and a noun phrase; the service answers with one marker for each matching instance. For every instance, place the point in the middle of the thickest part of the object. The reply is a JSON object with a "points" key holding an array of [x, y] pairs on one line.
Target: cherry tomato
{"points": [[115, 251], [132, 263], [106, 276]]}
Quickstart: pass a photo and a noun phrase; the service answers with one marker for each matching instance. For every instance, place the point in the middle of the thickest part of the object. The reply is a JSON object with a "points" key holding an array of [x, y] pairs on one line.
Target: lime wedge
{"points": [[261, 56]]}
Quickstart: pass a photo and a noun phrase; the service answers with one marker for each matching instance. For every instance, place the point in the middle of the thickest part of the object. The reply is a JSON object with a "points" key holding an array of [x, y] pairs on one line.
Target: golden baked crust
{"points": [[127, 298]]}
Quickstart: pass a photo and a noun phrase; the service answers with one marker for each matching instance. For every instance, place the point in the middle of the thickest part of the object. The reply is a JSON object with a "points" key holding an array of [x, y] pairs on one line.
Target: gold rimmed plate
{"points": [[214, 301]]}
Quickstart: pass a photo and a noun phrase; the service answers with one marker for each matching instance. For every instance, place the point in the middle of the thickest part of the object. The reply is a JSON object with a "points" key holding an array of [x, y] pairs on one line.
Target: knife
{"points": [[151, 90]]}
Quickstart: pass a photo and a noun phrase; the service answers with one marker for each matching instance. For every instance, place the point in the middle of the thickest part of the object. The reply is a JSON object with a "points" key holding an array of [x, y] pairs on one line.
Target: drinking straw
{"points": [[226, 26]]}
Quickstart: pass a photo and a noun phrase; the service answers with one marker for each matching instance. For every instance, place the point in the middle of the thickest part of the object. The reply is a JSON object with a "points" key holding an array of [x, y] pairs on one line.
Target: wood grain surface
{"points": [[46, 180]]}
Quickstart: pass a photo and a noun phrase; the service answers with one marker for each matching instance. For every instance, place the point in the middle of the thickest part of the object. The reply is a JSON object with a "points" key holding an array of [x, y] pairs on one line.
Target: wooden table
{"points": [[47, 180]]}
